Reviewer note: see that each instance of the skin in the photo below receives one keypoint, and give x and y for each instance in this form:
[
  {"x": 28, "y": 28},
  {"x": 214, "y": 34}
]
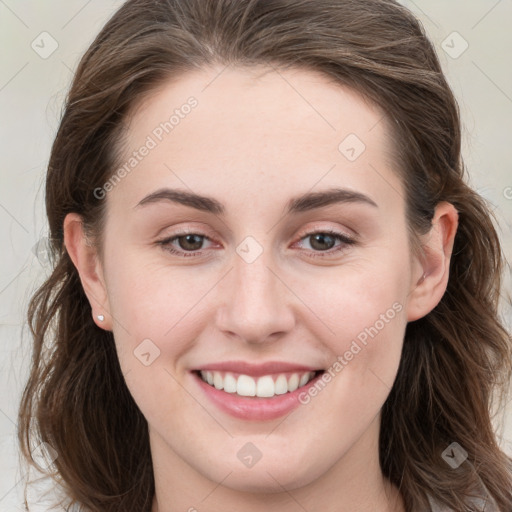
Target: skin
[{"x": 257, "y": 138}]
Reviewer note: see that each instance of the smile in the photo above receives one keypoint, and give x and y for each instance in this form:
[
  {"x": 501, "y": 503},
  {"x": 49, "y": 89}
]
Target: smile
[
  {"x": 265, "y": 386},
  {"x": 255, "y": 392}
]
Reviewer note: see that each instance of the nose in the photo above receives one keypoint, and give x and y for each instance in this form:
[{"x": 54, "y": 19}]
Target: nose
[{"x": 255, "y": 304}]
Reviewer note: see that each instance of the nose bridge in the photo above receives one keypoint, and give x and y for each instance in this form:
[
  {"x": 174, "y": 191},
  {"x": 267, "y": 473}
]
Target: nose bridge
[{"x": 255, "y": 301}]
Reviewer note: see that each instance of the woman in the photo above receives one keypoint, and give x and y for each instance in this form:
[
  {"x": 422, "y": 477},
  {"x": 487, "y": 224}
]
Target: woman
[{"x": 216, "y": 160}]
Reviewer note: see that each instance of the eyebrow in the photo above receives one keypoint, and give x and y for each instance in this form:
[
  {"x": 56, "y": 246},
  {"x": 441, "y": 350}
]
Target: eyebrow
[{"x": 302, "y": 203}]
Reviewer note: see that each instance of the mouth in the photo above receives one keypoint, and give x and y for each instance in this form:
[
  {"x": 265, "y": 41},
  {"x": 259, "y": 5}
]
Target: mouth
[
  {"x": 263, "y": 386},
  {"x": 255, "y": 391}
]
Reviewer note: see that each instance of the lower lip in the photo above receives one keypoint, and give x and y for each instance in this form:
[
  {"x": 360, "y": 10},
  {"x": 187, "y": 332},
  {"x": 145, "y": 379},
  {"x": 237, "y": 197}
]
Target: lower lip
[{"x": 254, "y": 408}]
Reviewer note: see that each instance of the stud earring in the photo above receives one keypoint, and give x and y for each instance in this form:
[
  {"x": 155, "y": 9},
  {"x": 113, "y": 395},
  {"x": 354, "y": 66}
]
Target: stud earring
[{"x": 101, "y": 318}]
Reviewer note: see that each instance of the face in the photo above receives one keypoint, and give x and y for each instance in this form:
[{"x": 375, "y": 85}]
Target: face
[{"x": 267, "y": 287}]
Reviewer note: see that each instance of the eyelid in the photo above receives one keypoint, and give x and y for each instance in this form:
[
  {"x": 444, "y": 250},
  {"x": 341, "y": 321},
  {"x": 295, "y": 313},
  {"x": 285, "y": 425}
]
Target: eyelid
[
  {"x": 322, "y": 228},
  {"x": 315, "y": 228},
  {"x": 343, "y": 237}
]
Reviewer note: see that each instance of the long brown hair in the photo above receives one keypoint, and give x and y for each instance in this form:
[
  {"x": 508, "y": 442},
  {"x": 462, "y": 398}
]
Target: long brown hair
[{"x": 454, "y": 359}]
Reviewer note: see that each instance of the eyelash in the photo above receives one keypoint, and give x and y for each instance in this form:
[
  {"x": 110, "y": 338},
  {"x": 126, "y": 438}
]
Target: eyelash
[{"x": 346, "y": 241}]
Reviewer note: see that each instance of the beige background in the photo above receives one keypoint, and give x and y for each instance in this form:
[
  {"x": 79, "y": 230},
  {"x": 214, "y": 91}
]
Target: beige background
[{"x": 32, "y": 89}]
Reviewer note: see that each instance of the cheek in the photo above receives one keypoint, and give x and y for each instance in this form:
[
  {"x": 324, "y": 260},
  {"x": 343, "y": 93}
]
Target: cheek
[
  {"x": 361, "y": 300},
  {"x": 345, "y": 402},
  {"x": 149, "y": 300},
  {"x": 364, "y": 309},
  {"x": 153, "y": 309}
]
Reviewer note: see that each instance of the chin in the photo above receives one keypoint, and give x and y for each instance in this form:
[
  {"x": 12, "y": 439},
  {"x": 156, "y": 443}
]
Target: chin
[
  {"x": 267, "y": 477},
  {"x": 263, "y": 482}
]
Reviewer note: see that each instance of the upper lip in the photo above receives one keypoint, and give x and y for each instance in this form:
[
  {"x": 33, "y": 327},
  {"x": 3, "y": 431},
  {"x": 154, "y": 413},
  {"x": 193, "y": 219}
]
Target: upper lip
[{"x": 257, "y": 370}]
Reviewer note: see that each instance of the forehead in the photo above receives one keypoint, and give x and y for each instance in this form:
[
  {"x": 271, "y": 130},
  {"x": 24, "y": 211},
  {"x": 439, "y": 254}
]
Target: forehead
[
  {"x": 255, "y": 128},
  {"x": 279, "y": 97}
]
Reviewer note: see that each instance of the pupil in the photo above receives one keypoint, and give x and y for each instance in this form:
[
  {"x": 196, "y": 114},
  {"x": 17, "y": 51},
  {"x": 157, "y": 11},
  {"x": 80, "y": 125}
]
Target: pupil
[
  {"x": 321, "y": 237},
  {"x": 188, "y": 238}
]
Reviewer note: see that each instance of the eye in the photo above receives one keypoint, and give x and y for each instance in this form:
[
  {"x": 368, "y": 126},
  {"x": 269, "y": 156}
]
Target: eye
[
  {"x": 321, "y": 242},
  {"x": 188, "y": 242},
  {"x": 327, "y": 237}
]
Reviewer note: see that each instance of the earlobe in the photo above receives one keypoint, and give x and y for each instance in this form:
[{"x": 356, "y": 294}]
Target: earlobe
[
  {"x": 429, "y": 287},
  {"x": 85, "y": 258}
]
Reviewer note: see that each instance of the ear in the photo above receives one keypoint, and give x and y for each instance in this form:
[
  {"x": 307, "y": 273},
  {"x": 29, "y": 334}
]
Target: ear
[
  {"x": 88, "y": 264},
  {"x": 433, "y": 267}
]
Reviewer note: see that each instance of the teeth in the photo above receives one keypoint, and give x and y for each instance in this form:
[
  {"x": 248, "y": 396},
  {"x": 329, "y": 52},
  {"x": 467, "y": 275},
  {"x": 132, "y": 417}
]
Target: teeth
[
  {"x": 281, "y": 385},
  {"x": 230, "y": 384},
  {"x": 218, "y": 381},
  {"x": 303, "y": 380},
  {"x": 264, "y": 387},
  {"x": 293, "y": 382},
  {"x": 245, "y": 386}
]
